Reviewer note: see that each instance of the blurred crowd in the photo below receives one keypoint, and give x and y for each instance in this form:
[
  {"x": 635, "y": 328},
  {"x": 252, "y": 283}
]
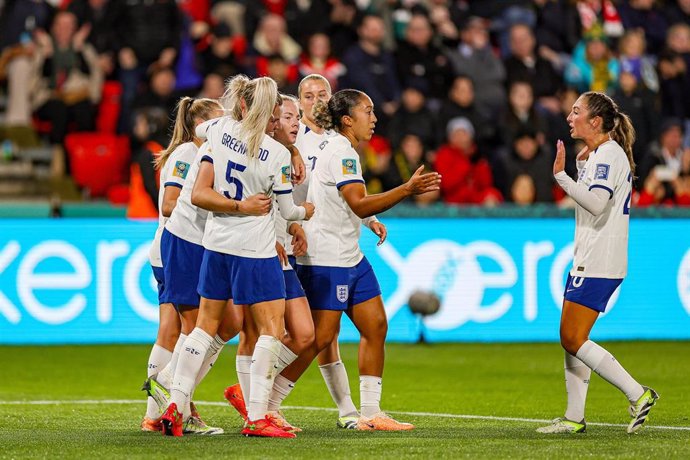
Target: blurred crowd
[{"x": 476, "y": 89}]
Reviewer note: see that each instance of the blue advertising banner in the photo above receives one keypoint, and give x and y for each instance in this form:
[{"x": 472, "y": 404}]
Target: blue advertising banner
[{"x": 499, "y": 280}]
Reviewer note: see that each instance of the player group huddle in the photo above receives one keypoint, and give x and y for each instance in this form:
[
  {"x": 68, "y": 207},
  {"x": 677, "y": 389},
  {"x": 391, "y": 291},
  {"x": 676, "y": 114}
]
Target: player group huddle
[{"x": 261, "y": 204}]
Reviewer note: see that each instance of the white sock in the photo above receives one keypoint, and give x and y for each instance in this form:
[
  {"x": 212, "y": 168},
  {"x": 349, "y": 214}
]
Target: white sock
[
  {"x": 211, "y": 356},
  {"x": 281, "y": 389},
  {"x": 370, "y": 395},
  {"x": 263, "y": 373},
  {"x": 158, "y": 359},
  {"x": 243, "y": 365},
  {"x": 165, "y": 376},
  {"x": 335, "y": 376},
  {"x": 191, "y": 358},
  {"x": 285, "y": 358},
  {"x": 576, "y": 384},
  {"x": 603, "y": 363}
]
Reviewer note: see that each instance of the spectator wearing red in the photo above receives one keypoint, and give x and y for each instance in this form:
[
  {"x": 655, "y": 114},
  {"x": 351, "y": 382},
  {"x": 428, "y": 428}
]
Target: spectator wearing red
[
  {"x": 467, "y": 177},
  {"x": 318, "y": 60}
]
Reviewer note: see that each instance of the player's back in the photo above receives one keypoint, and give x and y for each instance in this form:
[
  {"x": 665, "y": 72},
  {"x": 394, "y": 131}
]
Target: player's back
[{"x": 237, "y": 177}]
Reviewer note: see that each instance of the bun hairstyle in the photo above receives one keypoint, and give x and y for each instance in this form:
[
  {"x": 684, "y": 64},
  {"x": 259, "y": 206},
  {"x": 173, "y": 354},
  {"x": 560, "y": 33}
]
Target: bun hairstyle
[
  {"x": 330, "y": 115},
  {"x": 188, "y": 111},
  {"x": 614, "y": 122}
]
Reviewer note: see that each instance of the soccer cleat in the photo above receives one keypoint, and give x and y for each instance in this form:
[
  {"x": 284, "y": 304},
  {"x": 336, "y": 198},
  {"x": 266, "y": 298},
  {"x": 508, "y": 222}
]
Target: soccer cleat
[
  {"x": 150, "y": 424},
  {"x": 233, "y": 394},
  {"x": 641, "y": 408},
  {"x": 382, "y": 422},
  {"x": 194, "y": 425},
  {"x": 158, "y": 392},
  {"x": 563, "y": 425},
  {"x": 278, "y": 419},
  {"x": 347, "y": 423},
  {"x": 172, "y": 421},
  {"x": 265, "y": 428}
]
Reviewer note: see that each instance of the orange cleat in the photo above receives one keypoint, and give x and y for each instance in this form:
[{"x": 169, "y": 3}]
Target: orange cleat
[
  {"x": 382, "y": 422},
  {"x": 278, "y": 419},
  {"x": 151, "y": 424},
  {"x": 233, "y": 394},
  {"x": 265, "y": 428},
  {"x": 171, "y": 420}
]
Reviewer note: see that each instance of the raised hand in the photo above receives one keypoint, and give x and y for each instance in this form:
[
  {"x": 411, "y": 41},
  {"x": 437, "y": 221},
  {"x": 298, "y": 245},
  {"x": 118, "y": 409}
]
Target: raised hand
[
  {"x": 559, "y": 162},
  {"x": 421, "y": 183}
]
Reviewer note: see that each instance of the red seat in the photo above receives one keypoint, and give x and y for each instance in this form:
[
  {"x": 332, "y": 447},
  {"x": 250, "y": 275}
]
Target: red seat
[
  {"x": 98, "y": 160},
  {"x": 109, "y": 108}
]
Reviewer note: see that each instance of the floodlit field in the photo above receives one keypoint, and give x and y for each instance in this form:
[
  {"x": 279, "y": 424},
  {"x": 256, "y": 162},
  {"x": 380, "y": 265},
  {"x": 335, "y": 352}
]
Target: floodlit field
[{"x": 467, "y": 400}]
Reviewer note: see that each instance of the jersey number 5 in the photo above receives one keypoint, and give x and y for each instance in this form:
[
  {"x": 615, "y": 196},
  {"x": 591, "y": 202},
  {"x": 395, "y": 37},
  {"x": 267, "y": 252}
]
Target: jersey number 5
[{"x": 234, "y": 180}]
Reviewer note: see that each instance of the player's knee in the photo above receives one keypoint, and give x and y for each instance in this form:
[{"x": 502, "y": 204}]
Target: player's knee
[
  {"x": 571, "y": 341},
  {"x": 304, "y": 341}
]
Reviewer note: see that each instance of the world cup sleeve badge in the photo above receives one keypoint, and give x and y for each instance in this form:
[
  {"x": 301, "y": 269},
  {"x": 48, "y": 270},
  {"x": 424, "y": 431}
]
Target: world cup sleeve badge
[
  {"x": 181, "y": 169},
  {"x": 602, "y": 171},
  {"x": 349, "y": 166},
  {"x": 285, "y": 174}
]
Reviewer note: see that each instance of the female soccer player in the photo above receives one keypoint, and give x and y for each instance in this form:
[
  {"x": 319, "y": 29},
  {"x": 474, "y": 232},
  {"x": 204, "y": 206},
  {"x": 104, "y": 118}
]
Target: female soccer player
[
  {"x": 602, "y": 193},
  {"x": 239, "y": 259},
  {"x": 173, "y": 163},
  {"x": 335, "y": 274}
]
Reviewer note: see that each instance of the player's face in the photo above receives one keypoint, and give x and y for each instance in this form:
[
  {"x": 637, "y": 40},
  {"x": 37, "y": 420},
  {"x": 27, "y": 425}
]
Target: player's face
[
  {"x": 363, "y": 119},
  {"x": 289, "y": 124},
  {"x": 274, "y": 121},
  {"x": 579, "y": 120},
  {"x": 312, "y": 90}
]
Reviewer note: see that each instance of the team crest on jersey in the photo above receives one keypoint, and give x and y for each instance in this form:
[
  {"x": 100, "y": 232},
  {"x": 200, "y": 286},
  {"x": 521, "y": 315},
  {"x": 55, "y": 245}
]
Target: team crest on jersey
[
  {"x": 285, "y": 174},
  {"x": 349, "y": 166},
  {"x": 181, "y": 169},
  {"x": 602, "y": 171},
  {"x": 342, "y": 292}
]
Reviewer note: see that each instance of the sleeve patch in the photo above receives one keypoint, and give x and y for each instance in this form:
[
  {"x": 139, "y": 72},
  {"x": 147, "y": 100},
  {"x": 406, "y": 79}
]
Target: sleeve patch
[
  {"x": 349, "y": 166},
  {"x": 285, "y": 174},
  {"x": 602, "y": 171},
  {"x": 181, "y": 169}
]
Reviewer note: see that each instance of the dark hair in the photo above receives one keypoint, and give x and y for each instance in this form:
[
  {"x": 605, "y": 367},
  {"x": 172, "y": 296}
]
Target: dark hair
[
  {"x": 329, "y": 116},
  {"x": 614, "y": 122}
]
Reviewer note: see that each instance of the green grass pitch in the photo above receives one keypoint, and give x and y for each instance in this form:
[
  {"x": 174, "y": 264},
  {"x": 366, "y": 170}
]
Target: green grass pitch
[{"x": 467, "y": 400}]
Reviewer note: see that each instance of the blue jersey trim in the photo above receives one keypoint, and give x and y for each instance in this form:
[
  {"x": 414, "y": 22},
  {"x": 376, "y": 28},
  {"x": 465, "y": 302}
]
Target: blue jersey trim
[
  {"x": 604, "y": 187},
  {"x": 282, "y": 192},
  {"x": 341, "y": 184},
  {"x": 207, "y": 158},
  {"x": 172, "y": 184}
]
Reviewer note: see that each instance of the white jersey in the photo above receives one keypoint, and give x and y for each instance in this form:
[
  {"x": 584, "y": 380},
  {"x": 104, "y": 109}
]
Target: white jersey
[
  {"x": 333, "y": 232},
  {"x": 173, "y": 174},
  {"x": 188, "y": 221},
  {"x": 601, "y": 242},
  {"x": 239, "y": 177}
]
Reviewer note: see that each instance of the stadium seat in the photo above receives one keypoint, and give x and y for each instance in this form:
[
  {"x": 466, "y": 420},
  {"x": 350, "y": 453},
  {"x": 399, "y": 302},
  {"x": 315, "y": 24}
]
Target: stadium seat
[
  {"x": 109, "y": 108},
  {"x": 98, "y": 160}
]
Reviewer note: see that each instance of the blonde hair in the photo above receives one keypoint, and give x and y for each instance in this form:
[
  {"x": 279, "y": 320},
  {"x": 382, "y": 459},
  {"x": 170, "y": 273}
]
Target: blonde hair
[
  {"x": 259, "y": 98},
  {"x": 313, "y": 76},
  {"x": 188, "y": 111},
  {"x": 614, "y": 122}
]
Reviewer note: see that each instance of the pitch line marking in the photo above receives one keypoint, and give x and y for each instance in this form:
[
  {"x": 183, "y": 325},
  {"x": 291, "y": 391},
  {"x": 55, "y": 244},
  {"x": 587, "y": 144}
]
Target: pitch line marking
[{"x": 327, "y": 409}]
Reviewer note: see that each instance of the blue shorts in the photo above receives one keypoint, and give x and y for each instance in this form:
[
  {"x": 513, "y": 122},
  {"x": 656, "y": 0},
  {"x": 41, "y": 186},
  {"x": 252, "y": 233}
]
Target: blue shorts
[
  {"x": 245, "y": 280},
  {"x": 160, "y": 282},
  {"x": 293, "y": 288},
  {"x": 592, "y": 293},
  {"x": 338, "y": 288},
  {"x": 181, "y": 264}
]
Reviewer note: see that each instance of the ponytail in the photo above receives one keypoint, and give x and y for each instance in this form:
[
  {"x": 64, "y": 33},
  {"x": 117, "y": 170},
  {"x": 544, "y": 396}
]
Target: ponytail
[
  {"x": 624, "y": 133},
  {"x": 260, "y": 97},
  {"x": 323, "y": 118},
  {"x": 188, "y": 111}
]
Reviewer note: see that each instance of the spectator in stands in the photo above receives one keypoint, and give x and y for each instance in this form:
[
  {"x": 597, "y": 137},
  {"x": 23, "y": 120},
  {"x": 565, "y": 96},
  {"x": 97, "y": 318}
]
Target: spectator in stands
[
  {"x": 633, "y": 57},
  {"x": 593, "y": 67},
  {"x": 407, "y": 158},
  {"x": 475, "y": 58},
  {"x": 639, "y": 103},
  {"x": 527, "y": 157},
  {"x": 271, "y": 39},
  {"x": 67, "y": 80},
  {"x": 558, "y": 27},
  {"x": 220, "y": 54},
  {"x": 521, "y": 114},
  {"x": 147, "y": 37},
  {"x": 522, "y": 191},
  {"x": 677, "y": 11},
  {"x": 645, "y": 16},
  {"x": 160, "y": 92},
  {"x": 664, "y": 158},
  {"x": 98, "y": 14},
  {"x": 375, "y": 155},
  {"x": 213, "y": 87},
  {"x": 467, "y": 177},
  {"x": 460, "y": 103},
  {"x": 413, "y": 117},
  {"x": 440, "y": 17},
  {"x": 600, "y": 14},
  {"x": 342, "y": 25},
  {"x": 523, "y": 64},
  {"x": 674, "y": 72},
  {"x": 285, "y": 75},
  {"x": 420, "y": 62},
  {"x": 149, "y": 135},
  {"x": 372, "y": 69},
  {"x": 318, "y": 60}
]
